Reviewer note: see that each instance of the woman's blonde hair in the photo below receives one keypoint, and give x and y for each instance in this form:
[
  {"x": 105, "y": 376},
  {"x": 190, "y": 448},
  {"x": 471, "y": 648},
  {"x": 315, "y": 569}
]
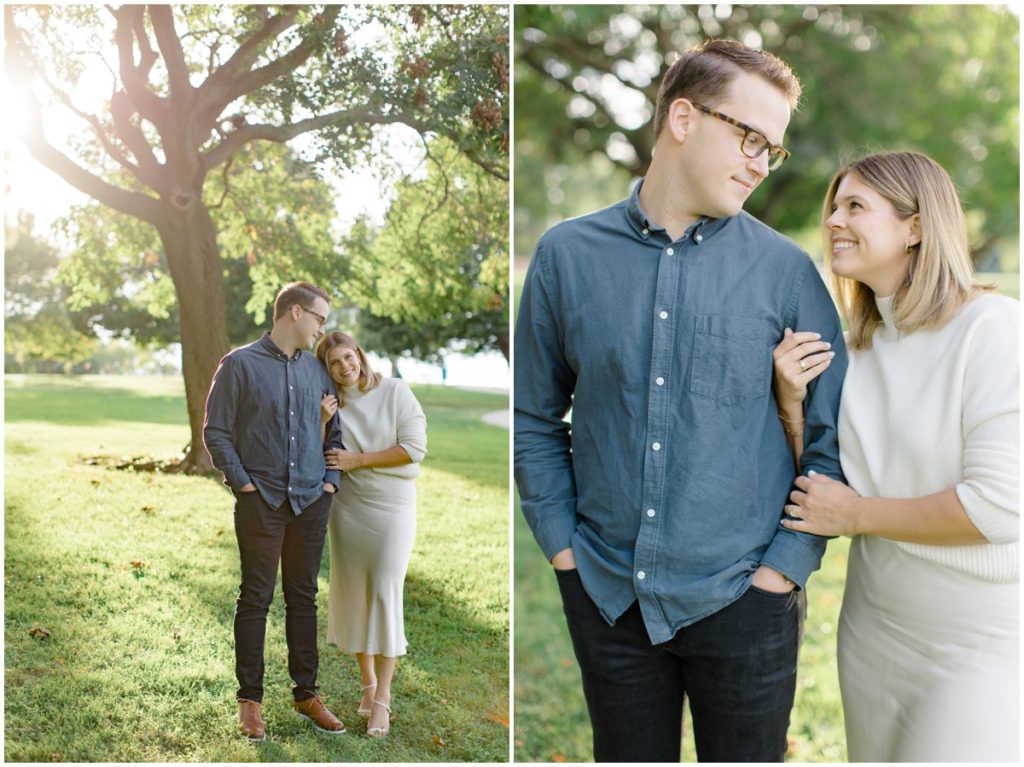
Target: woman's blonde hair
[
  {"x": 940, "y": 277},
  {"x": 367, "y": 378}
]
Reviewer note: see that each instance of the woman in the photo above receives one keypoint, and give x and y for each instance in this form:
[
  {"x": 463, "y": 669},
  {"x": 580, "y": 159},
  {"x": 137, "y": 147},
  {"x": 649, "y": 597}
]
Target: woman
[
  {"x": 373, "y": 517},
  {"x": 928, "y": 436}
]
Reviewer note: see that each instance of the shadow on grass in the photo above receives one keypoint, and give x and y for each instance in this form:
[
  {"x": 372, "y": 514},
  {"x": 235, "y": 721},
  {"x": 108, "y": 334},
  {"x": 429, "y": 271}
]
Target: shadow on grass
[{"x": 117, "y": 638}]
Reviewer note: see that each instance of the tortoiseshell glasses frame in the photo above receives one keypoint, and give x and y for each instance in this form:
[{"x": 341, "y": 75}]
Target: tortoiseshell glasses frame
[{"x": 753, "y": 142}]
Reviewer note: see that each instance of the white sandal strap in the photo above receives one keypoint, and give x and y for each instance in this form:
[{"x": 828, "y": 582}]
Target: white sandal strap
[
  {"x": 368, "y": 686},
  {"x": 382, "y": 703}
]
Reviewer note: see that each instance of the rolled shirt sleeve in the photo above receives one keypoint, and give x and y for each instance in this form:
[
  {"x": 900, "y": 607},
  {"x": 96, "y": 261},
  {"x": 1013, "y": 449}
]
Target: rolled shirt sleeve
[
  {"x": 797, "y": 555},
  {"x": 219, "y": 425},
  {"x": 544, "y": 385}
]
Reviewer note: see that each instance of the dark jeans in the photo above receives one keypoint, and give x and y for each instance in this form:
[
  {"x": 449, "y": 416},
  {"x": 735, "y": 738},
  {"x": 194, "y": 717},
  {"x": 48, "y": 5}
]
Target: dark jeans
[
  {"x": 738, "y": 668},
  {"x": 265, "y": 536}
]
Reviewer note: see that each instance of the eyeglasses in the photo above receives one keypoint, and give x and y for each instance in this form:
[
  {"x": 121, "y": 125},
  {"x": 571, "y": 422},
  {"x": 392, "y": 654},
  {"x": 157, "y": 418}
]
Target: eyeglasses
[
  {"x": 321, "y": 320},
  {"x": 754, "y": 142}
]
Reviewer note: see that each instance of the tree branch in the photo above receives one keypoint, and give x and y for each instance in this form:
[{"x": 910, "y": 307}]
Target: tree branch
[
  {"x": 235, "y": 79},
  {"x": 282, "y": 133},
  {"x": 132, "y": 136},
  {"x": 134, "y": 78},
  {"x": 216, "y": 91},
  {"x": 132, "y": 203},
  {"x": 170, "y": 47}
]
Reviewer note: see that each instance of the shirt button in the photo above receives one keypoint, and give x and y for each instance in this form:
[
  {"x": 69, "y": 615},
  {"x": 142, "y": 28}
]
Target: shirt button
[
  {"x": 289, "y": 489},
  {"x": 293, "y": 439},
  {"x": 698, "y": 238},
  {"x": 660, "y": 381},
  {"x": 663, "y": 315},
  {"x": 292, "y": 463},
  {"x": 656, "y": 446},
  {"x": 292, "y": 412},
  {"x": 291, "y": 387},
  {"x": 650, "y": 513},
  {"x": 670, "y": 252},
  {"x": 641, "y": 575}
]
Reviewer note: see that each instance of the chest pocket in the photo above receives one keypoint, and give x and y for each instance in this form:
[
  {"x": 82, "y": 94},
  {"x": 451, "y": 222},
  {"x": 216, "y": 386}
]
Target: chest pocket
[
  {"x": 732, "y": 358},
  {"x": 308, "y": 401}
]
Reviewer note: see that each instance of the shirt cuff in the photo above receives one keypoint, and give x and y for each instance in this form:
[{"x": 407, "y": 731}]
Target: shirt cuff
[
  {"x": 795, "y": 555},
  {"x": 236, "y": 477},
  {"x": 555, "y": 534},
  {"x": 333, "y": 476}
]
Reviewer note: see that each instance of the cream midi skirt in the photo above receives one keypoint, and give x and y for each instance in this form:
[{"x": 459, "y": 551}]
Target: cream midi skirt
[
  {"x": 928, "y": 660},
  {"x": 371, "y": 533}
]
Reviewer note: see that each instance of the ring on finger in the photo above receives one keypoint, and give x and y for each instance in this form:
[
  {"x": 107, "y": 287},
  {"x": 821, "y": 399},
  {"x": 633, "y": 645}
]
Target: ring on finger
[{"x": 803, "y": 366}]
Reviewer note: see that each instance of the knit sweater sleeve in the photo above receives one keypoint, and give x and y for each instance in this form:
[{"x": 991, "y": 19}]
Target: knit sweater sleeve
[
  {"x": 411, "y": 423},
  {"x": 989, "y": 491}
]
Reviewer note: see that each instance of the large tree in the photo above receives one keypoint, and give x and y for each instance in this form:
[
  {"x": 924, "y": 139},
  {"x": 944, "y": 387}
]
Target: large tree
[
  {"x": 943, "y": 79},
  {"x": 191, "y": 86}
]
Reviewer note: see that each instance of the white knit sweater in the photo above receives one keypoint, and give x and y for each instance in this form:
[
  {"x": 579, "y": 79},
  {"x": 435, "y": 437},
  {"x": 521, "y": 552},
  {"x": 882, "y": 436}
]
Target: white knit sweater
[
  {"x": 926, "y": 411},
  {"x": 379, "y": 419}
]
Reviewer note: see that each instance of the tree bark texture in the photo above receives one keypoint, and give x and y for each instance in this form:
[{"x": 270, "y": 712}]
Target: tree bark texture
[{"x": 193, "y": 259}]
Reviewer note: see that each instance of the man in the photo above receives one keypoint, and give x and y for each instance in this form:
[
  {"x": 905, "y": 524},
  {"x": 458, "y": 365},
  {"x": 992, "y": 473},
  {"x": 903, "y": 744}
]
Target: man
[
  {"x": 660, "y": 509},
  {"x": 263, "y": 431}
]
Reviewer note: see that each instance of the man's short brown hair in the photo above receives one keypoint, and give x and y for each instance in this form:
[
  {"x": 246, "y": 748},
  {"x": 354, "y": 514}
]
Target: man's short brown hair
[
  {"x": 301, "y": 293},
  {"x": 703, "y": 75}
]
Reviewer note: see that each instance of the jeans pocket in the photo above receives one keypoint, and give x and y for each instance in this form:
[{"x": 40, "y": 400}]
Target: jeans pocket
[
  {"x": 774, "y": 601},
  {"x": 732, "y": 358}
]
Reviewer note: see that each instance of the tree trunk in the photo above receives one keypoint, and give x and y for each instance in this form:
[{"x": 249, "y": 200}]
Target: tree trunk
[
  {"x": 503, "y": 344},
  {"x": 193, "y": 259}
]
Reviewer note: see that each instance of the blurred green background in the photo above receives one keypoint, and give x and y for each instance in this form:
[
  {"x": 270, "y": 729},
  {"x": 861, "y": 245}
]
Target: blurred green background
[{"x": 939, "y": 79}]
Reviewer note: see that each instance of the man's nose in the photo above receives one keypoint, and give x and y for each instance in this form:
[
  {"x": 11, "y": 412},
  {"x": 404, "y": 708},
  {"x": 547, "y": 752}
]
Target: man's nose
[{"x": 759, "y": 165}]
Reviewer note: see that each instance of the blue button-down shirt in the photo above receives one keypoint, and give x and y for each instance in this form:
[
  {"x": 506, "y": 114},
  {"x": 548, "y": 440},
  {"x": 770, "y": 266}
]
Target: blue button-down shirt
[
  {"x": 263, "y": 423},
  {"x": 670, "y": 483}
]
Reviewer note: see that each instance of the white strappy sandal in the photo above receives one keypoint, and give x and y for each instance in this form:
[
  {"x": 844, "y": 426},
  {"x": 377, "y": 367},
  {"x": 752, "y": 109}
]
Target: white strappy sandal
[
  {"x": 380, "y": 732},
  {"x": 365, "y": 711}
]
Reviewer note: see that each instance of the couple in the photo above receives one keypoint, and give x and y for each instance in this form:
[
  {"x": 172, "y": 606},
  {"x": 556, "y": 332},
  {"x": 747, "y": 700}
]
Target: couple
[
  {"x": 668, "y": 509},
  {"x": 283, "y": 425}
]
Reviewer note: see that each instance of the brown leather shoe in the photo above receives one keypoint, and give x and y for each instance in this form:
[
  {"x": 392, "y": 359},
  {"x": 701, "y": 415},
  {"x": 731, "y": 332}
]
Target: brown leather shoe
[
  {"x": 250, "y": 723},
  {"x": 315, "y": 711}
]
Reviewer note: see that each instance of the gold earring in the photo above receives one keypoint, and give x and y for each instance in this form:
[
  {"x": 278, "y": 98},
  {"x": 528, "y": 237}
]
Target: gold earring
[{"x": 909, "y": 247}]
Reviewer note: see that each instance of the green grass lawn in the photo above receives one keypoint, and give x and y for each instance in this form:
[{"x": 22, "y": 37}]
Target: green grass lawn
[
  {"x": 135, "y": 576},
  {"x": 551, "y": 721}
]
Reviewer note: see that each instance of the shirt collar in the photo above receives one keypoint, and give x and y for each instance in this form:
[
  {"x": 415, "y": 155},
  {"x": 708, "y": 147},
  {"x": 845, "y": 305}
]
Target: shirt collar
[
  {"x": 705, "y": 227},
  {"x": 275, "y": 350}
]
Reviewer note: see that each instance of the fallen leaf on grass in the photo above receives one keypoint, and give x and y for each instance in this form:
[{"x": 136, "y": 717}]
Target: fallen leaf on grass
[
  {"x": 149, "y": 509},
  {"x": 566, "y": 662},
  {"x": 439, "y": 741},
  {"x": 176, "y": 635},
  {"x": 557, "y": 758},
  {"x": 444, "y": 701},
  {"x": 57, "y": 756},
  {"x": 38, "y": 631},
  {"x": 137, "y": 563},
  {"x": 497, "y": 719}
]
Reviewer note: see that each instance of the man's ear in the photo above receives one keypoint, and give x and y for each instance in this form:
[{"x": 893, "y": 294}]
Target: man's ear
[{"x": 680, "y": 115}]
